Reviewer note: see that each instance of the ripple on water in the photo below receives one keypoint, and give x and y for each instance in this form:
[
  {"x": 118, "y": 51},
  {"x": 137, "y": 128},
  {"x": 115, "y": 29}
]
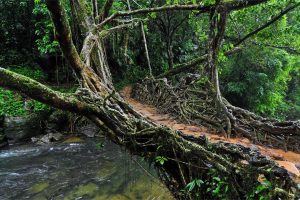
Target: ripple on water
[{"x": 75, "y": 171}]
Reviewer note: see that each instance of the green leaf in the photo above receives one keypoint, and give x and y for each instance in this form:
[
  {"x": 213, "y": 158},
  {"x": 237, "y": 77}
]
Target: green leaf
[
  {"x": 199, "y": 182},
  {"x": 216, "y": 178},
  {"x": 191, "y": 186},
  {"x": 160, "y": 159}
]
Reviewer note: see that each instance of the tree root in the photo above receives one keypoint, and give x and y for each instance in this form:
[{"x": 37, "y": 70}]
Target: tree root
[{"x": 198, "y": 106}]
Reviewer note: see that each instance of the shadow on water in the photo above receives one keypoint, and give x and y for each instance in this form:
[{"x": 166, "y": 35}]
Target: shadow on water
[{"x": 77, "y": 171}]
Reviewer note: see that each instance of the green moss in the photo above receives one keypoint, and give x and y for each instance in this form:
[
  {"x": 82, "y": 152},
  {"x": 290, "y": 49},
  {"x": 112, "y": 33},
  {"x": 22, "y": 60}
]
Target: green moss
[
  {"x": 88, "y": 189},
  {"x": 39, "y": 187},
  {"x": 107, "y": 170}
]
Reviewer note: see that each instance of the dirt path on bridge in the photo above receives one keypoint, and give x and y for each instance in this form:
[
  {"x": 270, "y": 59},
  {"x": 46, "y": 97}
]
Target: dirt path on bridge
[{"x": 287, "y": 159}]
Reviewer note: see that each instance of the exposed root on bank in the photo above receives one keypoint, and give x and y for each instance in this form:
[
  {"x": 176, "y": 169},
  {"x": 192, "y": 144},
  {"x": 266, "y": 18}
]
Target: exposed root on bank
[
  {"x": 185, "y": 166},
  {"x": 195, "y": 104}
]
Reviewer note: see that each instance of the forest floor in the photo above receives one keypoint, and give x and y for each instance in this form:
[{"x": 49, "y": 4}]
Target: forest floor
[{"x": 287, "y": 159}]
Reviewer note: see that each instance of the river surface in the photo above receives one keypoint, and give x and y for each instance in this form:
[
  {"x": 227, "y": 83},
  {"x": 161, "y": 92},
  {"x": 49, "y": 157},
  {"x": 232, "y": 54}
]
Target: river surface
[{"x": 81, "y": 171}]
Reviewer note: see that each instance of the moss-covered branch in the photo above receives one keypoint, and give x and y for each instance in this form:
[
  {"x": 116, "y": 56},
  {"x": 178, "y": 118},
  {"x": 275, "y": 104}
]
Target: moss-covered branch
[{"x": 40, "y": 92}]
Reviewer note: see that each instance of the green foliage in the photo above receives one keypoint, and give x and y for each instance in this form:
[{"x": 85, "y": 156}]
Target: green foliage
[
  {"x": 131, "y": 75},
  {"x": 13, "y": 104},
  {"x": 258, "y": 79},
  {"x": 215, "y": 186},
  {"x": 212, "y": 187},
  {"x": 193, "y": 185},
  {"x": 161, "y": 160},
  {"x": 44, "y": 29},
  {"x": 15, "y": 32},
  {"x": 33, "y": 72},
  {"x": 218, "y": 187},
  {"x": 261, "y": 191}
]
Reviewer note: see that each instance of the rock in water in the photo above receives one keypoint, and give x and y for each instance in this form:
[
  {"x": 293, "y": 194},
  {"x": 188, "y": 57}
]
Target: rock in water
[
  {"x": 3, "y": 139},
  {"x": 57, "y": 122},
  {"x": 48, "y": 138},
  {"x": 18, "y": 128},
  {"x": 90, "y": 130}
]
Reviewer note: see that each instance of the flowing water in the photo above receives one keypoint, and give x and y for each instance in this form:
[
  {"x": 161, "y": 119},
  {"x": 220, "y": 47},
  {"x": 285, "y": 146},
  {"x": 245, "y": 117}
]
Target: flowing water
[{"x": 87, "y": 170}]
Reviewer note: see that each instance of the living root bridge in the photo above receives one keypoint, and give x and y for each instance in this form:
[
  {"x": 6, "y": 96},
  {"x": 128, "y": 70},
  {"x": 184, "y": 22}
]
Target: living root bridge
[
  {"x": 194, "y": 103},
  {"x": 185, "y": 158}
]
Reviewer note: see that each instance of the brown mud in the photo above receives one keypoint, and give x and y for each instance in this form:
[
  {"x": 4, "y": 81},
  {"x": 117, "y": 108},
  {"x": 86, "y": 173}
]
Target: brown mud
[{"x": 287, "y": 159}]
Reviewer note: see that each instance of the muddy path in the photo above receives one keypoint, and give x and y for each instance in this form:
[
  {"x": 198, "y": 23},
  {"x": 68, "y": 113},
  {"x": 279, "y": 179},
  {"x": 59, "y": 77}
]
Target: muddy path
[{"x": 287, "y": 159}]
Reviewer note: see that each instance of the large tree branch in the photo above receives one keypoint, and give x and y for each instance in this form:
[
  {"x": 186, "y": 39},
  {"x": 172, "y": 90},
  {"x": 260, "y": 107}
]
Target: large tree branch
[
  {"x": 90, "y": 41},
  {"x": 195, "y": 62},
  {"x": 192, "y": 64},
  {"x": 290, "y": 50},
  {"x": 64, "y": 36},
  {"x": 40, "y": 92},
  {"x": 81, "y": 15},
  {"x": 85, "y": 73},
  {"x": 270, "y": 22},
  {"x": 230, "y": 6}
]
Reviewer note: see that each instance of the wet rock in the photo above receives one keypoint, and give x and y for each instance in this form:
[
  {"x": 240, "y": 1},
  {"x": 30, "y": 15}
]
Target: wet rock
[
  {"x": 90, "y": 130},
  {"x": 48, "y": 138},
  {"x": 57, "y": 121},
  {"x": 57, "y": 136},
  {"x": 18, "y": 128},
  {"x": 3, "y": 139}
]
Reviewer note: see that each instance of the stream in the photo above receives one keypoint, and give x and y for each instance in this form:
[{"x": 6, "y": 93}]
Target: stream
[{"x": 88, "y": 170}]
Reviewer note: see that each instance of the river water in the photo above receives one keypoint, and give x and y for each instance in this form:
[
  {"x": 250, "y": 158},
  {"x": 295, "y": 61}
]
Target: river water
[{"x": 81, "y": 171}]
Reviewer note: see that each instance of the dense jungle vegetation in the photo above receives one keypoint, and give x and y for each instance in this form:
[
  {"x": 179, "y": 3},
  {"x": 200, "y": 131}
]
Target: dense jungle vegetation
[
  {"x": 262, "y": 77},
  {"x": 238, "y": 55}
]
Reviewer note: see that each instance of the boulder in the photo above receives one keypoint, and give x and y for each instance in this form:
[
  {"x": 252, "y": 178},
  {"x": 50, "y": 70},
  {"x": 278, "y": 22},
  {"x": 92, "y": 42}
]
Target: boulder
[
  {"x": 58, "y": 121},
  {"x": 89, "y": 129},
  {"x": 3, "y": 140},
  {"x": 23, "y": 128},
  {"x": 48, "y": 138}
]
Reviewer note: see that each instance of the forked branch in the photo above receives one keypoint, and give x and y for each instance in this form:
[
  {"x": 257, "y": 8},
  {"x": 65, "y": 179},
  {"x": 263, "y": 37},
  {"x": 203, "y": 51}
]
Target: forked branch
[{"x": 231, "y": 6}]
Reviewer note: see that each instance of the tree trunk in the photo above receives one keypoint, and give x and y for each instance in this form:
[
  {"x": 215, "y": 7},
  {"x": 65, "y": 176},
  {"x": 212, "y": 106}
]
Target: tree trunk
[{"x": 170, "y": 54}]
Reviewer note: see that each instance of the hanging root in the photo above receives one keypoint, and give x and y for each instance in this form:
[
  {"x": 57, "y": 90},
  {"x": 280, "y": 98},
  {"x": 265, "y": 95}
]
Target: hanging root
[
  {"x": 195, "y": 103},
  {"x": 187, "y": 158}
]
